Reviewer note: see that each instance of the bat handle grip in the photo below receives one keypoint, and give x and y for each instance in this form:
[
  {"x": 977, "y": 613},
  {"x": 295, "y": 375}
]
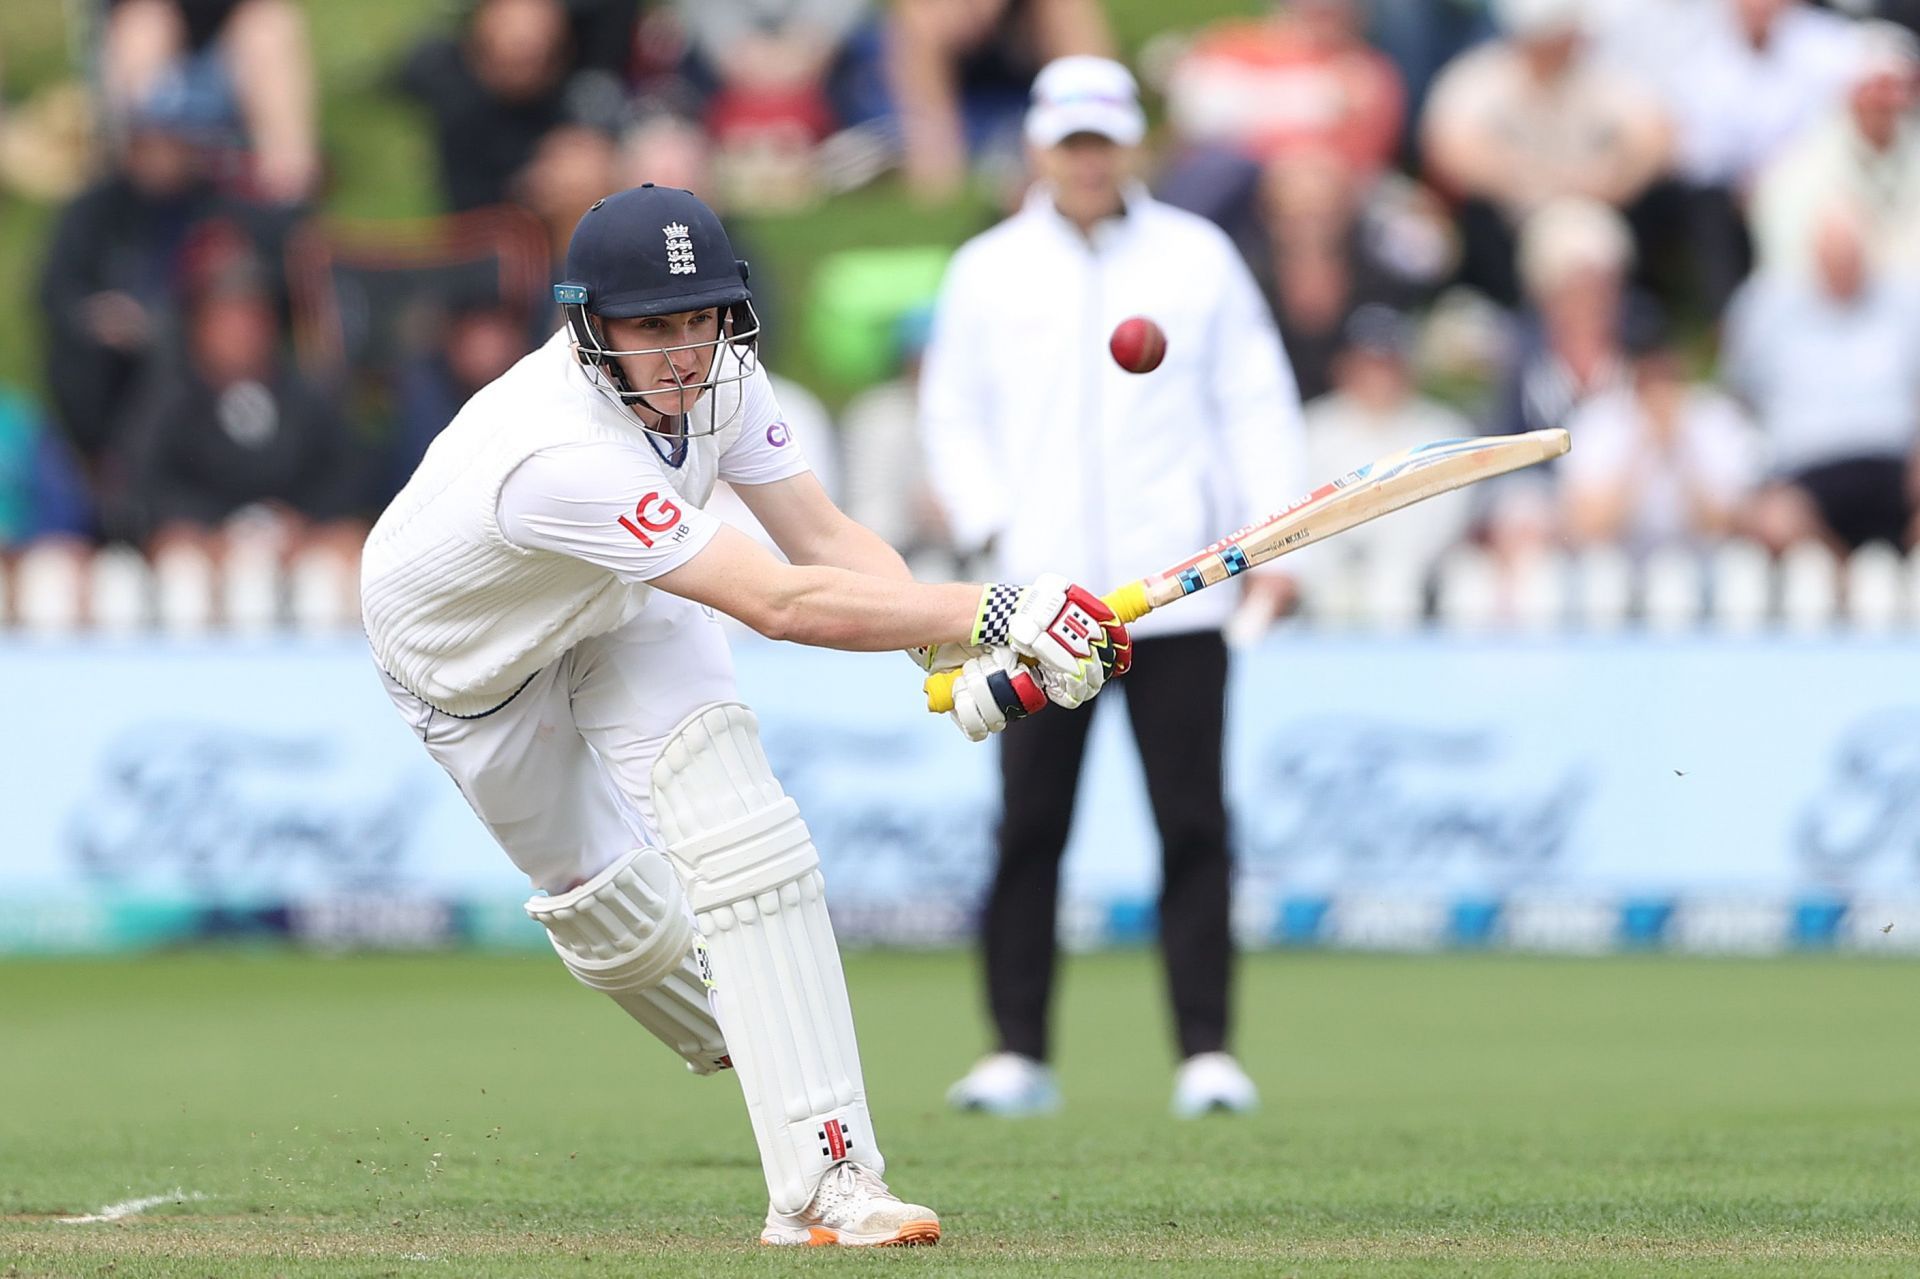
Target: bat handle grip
[
  {"x": 939, "y": 690},
  {"x": 1129, "y": 603}
]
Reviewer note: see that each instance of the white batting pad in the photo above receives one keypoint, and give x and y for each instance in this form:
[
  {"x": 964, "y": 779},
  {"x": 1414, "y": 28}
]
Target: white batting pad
[
  {"x": 753, "y": 878},
  {"x": 628, "y": 932}
]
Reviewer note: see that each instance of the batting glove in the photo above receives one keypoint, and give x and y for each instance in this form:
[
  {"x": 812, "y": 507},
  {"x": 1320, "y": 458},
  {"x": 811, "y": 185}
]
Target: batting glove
[
  {"x": 942, "y": 657},
  {"x": 993, "y": 690},
  {"x": 1067, "y": 630}
]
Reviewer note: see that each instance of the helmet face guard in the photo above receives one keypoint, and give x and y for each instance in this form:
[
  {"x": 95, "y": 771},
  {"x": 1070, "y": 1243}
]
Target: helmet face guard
[
  {"x": 732, "y": 357},
  {"x": 660, "y": 251}
]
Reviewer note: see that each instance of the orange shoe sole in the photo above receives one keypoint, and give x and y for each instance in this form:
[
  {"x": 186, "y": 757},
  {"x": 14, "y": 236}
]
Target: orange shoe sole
[{"x": 915, "y": 1234}]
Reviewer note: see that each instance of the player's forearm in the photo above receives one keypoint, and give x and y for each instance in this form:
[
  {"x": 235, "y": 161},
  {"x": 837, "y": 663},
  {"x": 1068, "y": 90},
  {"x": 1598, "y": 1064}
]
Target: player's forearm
[
  {"x": 858, "y": 549},
  {"x": 836, "y": 608},
  {"x": 820, "y": 604}
]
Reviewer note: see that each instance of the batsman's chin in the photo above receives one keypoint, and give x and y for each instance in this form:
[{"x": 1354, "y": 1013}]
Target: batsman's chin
[{"x": 671, "y": 401}]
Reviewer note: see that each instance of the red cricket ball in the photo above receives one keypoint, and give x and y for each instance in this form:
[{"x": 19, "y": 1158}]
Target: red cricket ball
[{"x": 1138, "y": 344}]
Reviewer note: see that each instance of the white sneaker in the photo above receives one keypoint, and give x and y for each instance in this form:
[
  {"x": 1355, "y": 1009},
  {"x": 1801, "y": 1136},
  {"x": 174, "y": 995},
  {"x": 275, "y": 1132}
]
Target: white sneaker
[
  {"x": 1213, "y": 1081},
  {"x": 1009, "y": 1085},
  {"x": 853, "y": 1208}
]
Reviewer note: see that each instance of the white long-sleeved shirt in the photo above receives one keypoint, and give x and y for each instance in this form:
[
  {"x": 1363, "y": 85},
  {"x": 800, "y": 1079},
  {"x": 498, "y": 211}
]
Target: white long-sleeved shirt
[{"x": 1041, "y": 445}]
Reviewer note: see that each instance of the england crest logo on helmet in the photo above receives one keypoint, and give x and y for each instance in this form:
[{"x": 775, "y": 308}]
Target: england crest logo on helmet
[{"x": 679, "y": 250}]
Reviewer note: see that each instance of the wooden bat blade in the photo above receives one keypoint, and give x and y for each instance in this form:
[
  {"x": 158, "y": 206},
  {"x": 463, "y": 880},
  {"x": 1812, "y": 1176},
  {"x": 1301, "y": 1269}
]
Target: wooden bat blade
[{"x": 1379, "y": 488}]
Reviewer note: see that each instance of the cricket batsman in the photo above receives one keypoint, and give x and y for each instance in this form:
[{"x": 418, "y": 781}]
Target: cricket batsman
[{"x": 541, "y": 600}]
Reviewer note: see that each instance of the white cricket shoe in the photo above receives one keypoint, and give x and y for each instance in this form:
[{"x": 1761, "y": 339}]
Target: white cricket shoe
[
  {"x": 1008, "y": 1085},
  {"x": 853, "y": 1208},
  {"x": 1208, "y": 1082}
]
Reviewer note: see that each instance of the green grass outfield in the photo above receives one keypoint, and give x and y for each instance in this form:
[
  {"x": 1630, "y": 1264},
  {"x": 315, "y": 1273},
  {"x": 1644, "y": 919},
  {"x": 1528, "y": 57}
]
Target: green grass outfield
[{"x": 1473, "y": 1115}]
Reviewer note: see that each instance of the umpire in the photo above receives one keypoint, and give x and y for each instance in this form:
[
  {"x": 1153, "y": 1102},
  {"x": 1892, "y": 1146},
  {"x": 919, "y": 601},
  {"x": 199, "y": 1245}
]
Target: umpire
[{"x": 1046, "y": 454}]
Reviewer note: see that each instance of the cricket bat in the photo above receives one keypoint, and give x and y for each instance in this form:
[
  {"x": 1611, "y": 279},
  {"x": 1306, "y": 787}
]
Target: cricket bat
[{"x": 1378, "y": 488}]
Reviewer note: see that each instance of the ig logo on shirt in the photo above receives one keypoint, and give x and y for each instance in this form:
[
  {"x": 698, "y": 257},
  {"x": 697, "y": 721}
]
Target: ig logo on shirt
[{"x": 651, "y": 514}]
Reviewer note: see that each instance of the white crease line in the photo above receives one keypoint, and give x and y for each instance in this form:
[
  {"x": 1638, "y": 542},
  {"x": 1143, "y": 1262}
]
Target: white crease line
[{"x": 128, "y": 1207}]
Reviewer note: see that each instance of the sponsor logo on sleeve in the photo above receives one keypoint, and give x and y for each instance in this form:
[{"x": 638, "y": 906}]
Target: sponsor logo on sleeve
[
  {"x": 778, "y": 435},
  {"x": 653, "y": 515}
]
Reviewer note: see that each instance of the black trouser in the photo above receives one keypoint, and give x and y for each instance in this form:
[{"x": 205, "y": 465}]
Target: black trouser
[{"x": 1176, "y": 701}]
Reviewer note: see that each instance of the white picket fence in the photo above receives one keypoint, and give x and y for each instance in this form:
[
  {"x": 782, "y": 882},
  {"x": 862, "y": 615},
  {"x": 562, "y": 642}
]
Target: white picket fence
[
  {"x": 1735, "y": 588},
  {"x": 119, "y": 591}
]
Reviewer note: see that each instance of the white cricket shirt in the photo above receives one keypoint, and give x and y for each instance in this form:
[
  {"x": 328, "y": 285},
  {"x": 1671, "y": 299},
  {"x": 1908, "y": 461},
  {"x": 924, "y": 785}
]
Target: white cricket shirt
[{"x": 535, "y": 520}]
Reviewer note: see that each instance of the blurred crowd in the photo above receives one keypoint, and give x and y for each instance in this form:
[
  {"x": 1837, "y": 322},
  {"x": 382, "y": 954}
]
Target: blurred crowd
[{"x": 1686, "y": 230}]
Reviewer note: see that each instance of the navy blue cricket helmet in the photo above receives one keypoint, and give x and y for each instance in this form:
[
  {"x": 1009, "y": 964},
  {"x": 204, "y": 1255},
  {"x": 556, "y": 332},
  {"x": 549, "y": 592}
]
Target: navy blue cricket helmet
[{"x": 655, "y": 250}]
